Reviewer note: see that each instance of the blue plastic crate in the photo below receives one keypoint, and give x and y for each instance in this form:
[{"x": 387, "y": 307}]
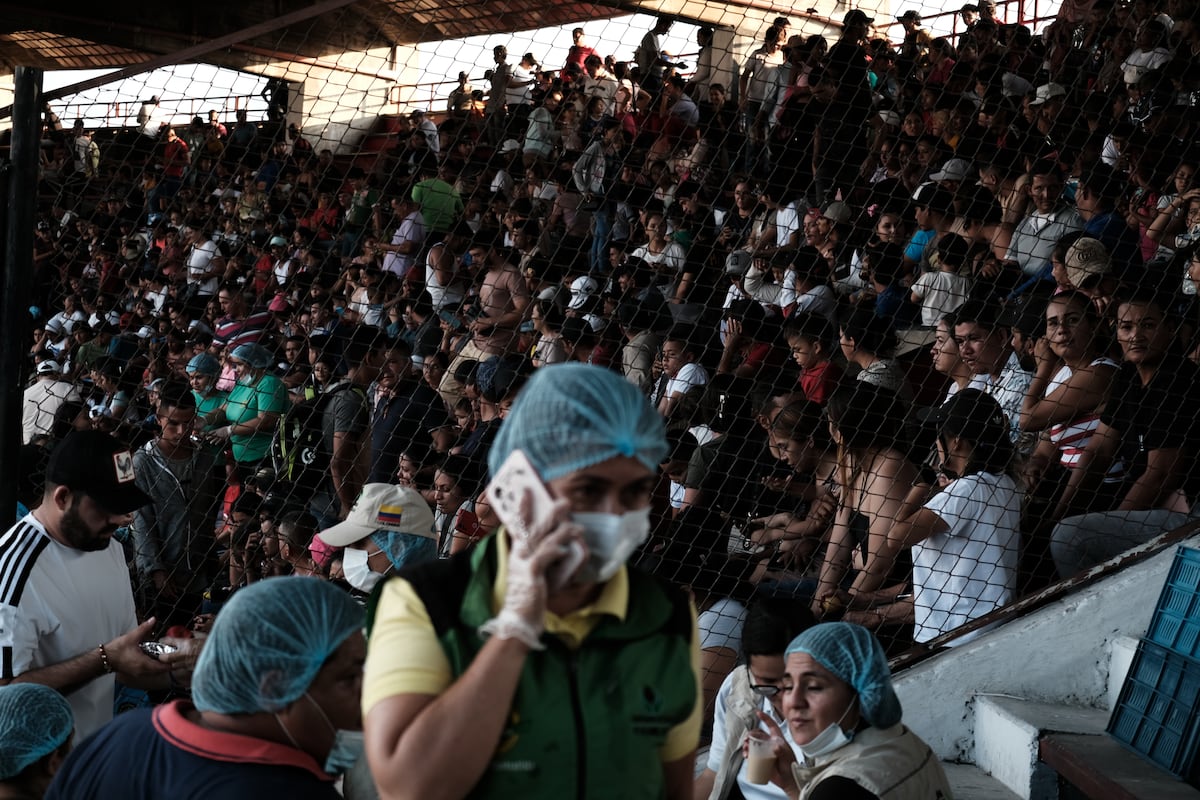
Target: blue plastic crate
[
  {"x": 1176, "y": 621},
  {"x": 1156, "y": 715}
]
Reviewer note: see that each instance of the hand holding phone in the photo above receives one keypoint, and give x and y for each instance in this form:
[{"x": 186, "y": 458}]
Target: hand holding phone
[{"x": 522, "y": 502}]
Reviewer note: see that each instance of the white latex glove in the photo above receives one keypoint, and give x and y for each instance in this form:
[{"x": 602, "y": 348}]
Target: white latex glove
[
  {"x": 221, "y": 434},
  {"x": 530, "y": 557}
]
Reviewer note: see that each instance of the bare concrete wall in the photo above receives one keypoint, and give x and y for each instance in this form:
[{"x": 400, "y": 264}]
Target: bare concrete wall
[{"x": 1057, "y": 654}]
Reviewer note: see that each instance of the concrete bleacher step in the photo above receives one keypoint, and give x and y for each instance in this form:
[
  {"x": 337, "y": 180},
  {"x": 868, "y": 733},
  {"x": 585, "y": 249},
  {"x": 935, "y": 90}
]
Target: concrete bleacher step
[
  {"x": 1007, "y": 735},
  {"x": 1034, "y": 748},
  {"x": 969, "y": 782}
]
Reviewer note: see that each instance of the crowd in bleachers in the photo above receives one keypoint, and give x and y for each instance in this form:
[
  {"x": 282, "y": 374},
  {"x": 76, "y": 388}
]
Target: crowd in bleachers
[{"x": 920, "y": 315}]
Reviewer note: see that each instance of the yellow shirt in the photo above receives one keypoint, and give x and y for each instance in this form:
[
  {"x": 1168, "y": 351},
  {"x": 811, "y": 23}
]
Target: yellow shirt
[{"x": 405, "y": 656}]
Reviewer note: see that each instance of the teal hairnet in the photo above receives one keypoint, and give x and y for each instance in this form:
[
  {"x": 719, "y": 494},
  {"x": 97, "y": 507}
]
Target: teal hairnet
[
  {"x": 406, "y": 548},
  {"x": 571, "y": 416},
  {"x": 257, "y": 356},
  {"x": 269, "y": 643},
  {"x": 35, "y": 720},
  {"x": 854, "y": 655}
]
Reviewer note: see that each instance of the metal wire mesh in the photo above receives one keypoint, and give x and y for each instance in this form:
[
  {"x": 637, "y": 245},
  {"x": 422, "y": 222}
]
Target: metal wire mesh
[{"x": 798, "y": 248}]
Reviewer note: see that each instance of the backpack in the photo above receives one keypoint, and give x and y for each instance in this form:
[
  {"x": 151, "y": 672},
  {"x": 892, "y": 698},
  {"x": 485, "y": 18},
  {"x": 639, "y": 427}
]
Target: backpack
[{"x": 298, "y": 444}]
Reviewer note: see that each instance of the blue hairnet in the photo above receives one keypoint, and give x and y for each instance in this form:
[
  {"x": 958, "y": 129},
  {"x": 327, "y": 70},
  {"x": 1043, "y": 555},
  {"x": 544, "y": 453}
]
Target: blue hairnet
[
  {"x": 854, "y": 655},
  {"x": 406, "y": 548},
  {"x": 255, "y": 355},
  {"x": 205, "y": 364},
  {"x": 34, "y": 721},
  {"x": 572, "y": 416},
  {"x": 269, "y": 643}
]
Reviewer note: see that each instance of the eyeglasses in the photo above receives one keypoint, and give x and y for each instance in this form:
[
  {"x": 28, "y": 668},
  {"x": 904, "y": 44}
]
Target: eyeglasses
[
  {"x": 766, "y": 689},
  {"x": 769, "y": 689}
]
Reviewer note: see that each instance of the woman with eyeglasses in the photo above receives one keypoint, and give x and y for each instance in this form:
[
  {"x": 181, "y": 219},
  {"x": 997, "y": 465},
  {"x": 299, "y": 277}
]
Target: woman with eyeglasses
[
  {"x": 844, "y": 738},
  {"x": 753, "y": 687}
]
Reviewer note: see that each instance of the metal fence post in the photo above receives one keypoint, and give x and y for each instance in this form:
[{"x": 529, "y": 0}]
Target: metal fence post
[{"x": 21, "y": 179}]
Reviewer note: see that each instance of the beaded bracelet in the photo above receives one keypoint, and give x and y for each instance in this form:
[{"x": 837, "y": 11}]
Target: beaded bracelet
[{"x": 104, "y": 660}]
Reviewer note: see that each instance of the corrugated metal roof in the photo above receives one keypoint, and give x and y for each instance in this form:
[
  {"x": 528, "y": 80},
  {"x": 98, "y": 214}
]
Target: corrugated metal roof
[{"x": 71, "y": 34}]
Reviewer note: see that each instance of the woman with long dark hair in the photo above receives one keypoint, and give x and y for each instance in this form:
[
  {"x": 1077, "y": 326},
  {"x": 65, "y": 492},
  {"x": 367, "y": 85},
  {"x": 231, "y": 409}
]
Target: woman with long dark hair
[
  {"x": 965, "y": 540},
  {"x": 877, "y": 488}
]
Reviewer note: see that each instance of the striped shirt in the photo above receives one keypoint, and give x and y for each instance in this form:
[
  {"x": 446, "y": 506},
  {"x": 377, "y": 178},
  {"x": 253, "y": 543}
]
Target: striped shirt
[
  {"x": 251, "y": 329},
  {"x": 1072, "y": 437},
  {"x": 57, "y": 603}
]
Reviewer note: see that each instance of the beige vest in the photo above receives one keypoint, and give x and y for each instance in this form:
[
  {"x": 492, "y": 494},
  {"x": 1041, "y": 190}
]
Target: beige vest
[
  {"x": 739, "y": 718},
  {"x": 892, "y": 763}
]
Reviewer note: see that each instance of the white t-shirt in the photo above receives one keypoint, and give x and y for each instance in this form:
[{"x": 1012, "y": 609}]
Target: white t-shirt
[
  {"x": 940, "y": 293},
  {"x": 42, "y": 400},
  {"x": 788, "y": 220},
  {"x": 971, "y": 568},
  {"x": 716, "y": 750},
  {"x": 819, "y": 300},
  {"x": 516, "y": 95},
  {"x": 57, "y": 603},
  {"x": 689, "y": 375},
  {"x": 412, "y": 229},
  {"x": 199, "y": 259}
]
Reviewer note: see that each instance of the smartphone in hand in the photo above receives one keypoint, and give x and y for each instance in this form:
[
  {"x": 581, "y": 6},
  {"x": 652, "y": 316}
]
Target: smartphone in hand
[{"x": 523, "y": 503}]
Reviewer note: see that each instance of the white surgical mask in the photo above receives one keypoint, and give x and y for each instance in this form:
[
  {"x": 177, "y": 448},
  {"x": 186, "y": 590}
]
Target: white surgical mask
[
  {"x": 611, "y": 540},
  {"x": 357, "y": 569},
  {"x": 829, "y": 740}
]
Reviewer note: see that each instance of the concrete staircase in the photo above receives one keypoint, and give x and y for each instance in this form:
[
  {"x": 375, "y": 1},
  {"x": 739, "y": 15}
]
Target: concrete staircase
[{"x": 1021, "y": 711}]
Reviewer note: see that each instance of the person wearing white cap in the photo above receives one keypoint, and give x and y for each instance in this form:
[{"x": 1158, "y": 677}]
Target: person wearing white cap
[
  {"x": 389, "y": 527},
  {"x": 1047, "y": 104},
  {"x": 43, "y": 398},
  {"x": 953, "y": 173}
]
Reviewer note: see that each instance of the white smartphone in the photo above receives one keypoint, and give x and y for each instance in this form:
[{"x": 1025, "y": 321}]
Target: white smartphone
[{"x": 515, "y": 480}]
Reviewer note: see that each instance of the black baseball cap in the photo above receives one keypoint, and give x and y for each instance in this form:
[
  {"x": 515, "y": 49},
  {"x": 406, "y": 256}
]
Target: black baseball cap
[{"x": 96, "y": 464}]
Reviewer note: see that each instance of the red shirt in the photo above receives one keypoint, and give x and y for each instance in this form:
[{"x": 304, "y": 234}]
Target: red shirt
[
  {"x": 175, "y": 158},
  {"x": 819, "y": 382}
]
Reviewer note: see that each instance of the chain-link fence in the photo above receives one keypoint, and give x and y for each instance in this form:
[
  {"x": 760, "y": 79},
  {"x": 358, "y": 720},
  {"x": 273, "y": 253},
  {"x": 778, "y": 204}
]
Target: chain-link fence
[{"x": 908, "y": 306}]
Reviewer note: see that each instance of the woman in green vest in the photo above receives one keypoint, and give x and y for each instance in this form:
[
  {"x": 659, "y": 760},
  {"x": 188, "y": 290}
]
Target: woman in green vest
[{"x": 499, "y": 673}]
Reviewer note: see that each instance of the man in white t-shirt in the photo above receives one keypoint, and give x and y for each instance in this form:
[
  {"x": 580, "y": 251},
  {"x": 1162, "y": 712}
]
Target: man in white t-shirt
[
  {"x": 985, "y": 346},
  {"x": 42, "y": 400},
  {"x": 599, "y": 82},
  {"x": 66, "y": 607},
  {"x": 204, "y": 261},
  {"x": 681, "y": 369},
  {"x": 399, "y": 255},
  {"x": 427, "y": 128}
]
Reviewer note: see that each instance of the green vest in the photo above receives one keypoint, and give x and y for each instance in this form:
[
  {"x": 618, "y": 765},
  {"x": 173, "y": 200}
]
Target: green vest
[{"x": 585, "y": 723}]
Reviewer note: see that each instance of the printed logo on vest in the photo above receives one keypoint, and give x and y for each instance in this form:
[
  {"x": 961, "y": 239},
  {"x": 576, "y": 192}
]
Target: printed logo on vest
[{"x": 509, "y": 736}]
